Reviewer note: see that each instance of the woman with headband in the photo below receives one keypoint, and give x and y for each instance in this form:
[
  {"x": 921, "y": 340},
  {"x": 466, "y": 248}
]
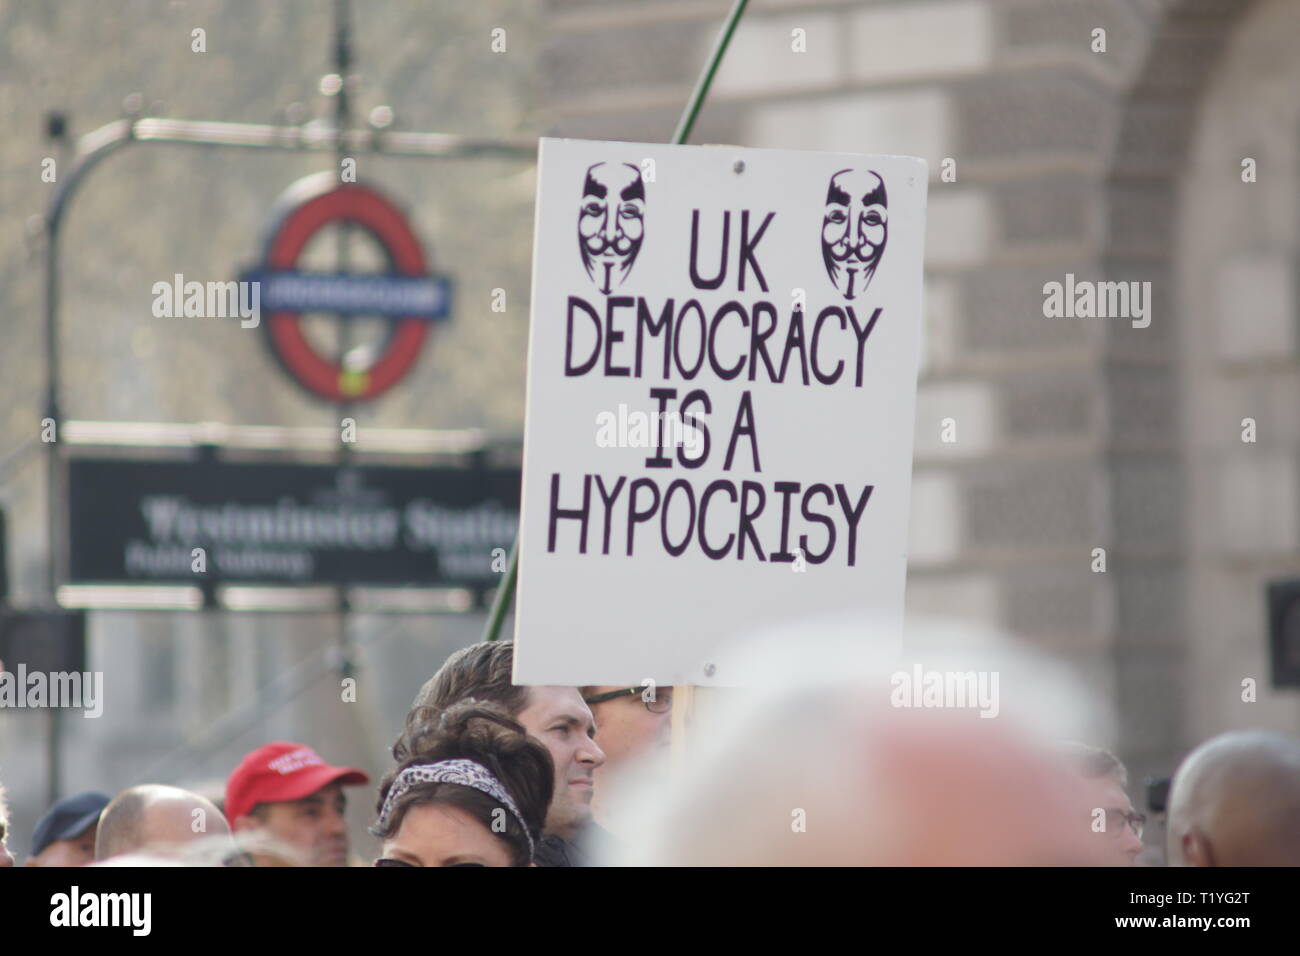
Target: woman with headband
[{"x": 473, "y": 792}]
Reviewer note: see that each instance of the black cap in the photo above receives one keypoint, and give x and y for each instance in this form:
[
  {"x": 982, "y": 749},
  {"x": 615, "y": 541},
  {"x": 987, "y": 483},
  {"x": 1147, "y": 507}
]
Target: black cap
[{"x": 68, "y": 818}]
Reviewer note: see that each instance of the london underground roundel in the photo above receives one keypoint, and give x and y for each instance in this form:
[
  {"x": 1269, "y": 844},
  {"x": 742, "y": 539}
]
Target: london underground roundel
[{"x": 406, "y": 294}]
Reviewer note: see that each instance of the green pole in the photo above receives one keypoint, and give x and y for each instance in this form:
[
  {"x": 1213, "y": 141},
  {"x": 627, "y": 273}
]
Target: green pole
[
  {"x": 506, "y": 593},
  {"x": 701, "y": 93}
]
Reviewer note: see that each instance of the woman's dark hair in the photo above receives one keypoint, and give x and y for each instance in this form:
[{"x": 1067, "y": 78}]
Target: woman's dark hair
[
  {"x": 484, "y": 733},
  {"x": 481, "y": 671}
]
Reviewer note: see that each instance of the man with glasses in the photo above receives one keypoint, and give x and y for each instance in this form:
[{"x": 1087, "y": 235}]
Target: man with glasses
[
  {"x": 1110, "y": 830},
  {"x": 632, "y": 723}
]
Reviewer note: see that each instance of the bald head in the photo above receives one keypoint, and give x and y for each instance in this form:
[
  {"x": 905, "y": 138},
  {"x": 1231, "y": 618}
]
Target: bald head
[
  {"x": 1235, "y": 801},
  {"x": 158, "y": 818}
]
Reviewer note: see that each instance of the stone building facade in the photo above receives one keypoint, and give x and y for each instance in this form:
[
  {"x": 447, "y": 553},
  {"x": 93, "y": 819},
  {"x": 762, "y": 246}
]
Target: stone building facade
[{"x": 1054, "y": 150}]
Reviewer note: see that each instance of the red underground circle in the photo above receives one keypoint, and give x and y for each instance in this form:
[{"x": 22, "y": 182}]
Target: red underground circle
[{"x": 368, "y": 210}]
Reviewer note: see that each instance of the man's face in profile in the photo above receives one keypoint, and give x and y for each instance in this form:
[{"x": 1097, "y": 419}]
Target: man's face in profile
[
  {"x": 1118, "y": 844},
  {"x": 611, "y": 222},
  {"x": 560, "y": 719},
  {"x": 855, "y": 228}
]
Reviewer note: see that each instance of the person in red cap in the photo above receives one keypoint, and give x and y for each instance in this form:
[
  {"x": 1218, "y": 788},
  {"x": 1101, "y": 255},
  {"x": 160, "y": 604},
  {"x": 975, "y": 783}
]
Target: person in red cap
[{"x": 288, "y": 793}]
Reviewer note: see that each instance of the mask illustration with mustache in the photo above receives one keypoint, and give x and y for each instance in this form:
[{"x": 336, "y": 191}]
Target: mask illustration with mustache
[
  {"x": 611, "y": 222},
  {"x": 854, "y": 229}
]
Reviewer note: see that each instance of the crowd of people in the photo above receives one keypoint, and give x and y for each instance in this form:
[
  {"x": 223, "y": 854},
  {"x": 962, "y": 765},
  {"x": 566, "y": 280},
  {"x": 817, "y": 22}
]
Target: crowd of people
[{"x": 488, "y": 773}]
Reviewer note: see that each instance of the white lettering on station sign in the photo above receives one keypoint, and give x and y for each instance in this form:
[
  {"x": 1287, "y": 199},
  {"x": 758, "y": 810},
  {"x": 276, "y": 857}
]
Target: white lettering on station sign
[{"x": 721, "y": 387}]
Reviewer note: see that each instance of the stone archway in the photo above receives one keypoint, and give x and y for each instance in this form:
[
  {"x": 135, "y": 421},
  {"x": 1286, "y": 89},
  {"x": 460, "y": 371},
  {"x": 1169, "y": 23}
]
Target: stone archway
[
  {"x": 1152, "y": 494},
  {"x": 1237, "y": 248}
]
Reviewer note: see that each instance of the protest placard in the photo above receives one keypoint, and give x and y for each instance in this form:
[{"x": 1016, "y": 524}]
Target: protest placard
[{"x": 721, "y": 387}]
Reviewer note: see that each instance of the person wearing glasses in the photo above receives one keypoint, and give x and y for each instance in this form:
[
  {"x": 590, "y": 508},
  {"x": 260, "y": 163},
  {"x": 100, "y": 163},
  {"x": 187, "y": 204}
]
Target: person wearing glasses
[
  {"x": 1109, "y": 827},
  {"x": 632, "y": 723},
  {"x": 473, "y": 791}
]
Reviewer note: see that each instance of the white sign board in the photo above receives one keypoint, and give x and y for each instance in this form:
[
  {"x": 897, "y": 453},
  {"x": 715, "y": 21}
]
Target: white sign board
[{"x": 721, "y": 382}]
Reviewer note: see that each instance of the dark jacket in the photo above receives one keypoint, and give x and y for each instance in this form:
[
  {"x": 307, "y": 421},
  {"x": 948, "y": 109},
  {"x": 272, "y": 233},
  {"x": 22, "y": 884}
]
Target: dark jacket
[{"x": 554, "y": 851}]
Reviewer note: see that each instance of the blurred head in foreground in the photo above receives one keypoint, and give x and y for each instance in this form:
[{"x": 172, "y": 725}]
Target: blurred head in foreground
[
  {"x": 846, "y": 756},
  {"x": 473, "y": 791},
  {"x": 214, "y": 849},
  {"x": 159, "y": 820},
  {"x": 1235, "y": 801}
]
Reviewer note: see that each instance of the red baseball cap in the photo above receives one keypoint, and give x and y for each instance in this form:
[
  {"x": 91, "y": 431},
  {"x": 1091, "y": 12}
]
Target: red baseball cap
[{"x": 282, "y": 771}]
